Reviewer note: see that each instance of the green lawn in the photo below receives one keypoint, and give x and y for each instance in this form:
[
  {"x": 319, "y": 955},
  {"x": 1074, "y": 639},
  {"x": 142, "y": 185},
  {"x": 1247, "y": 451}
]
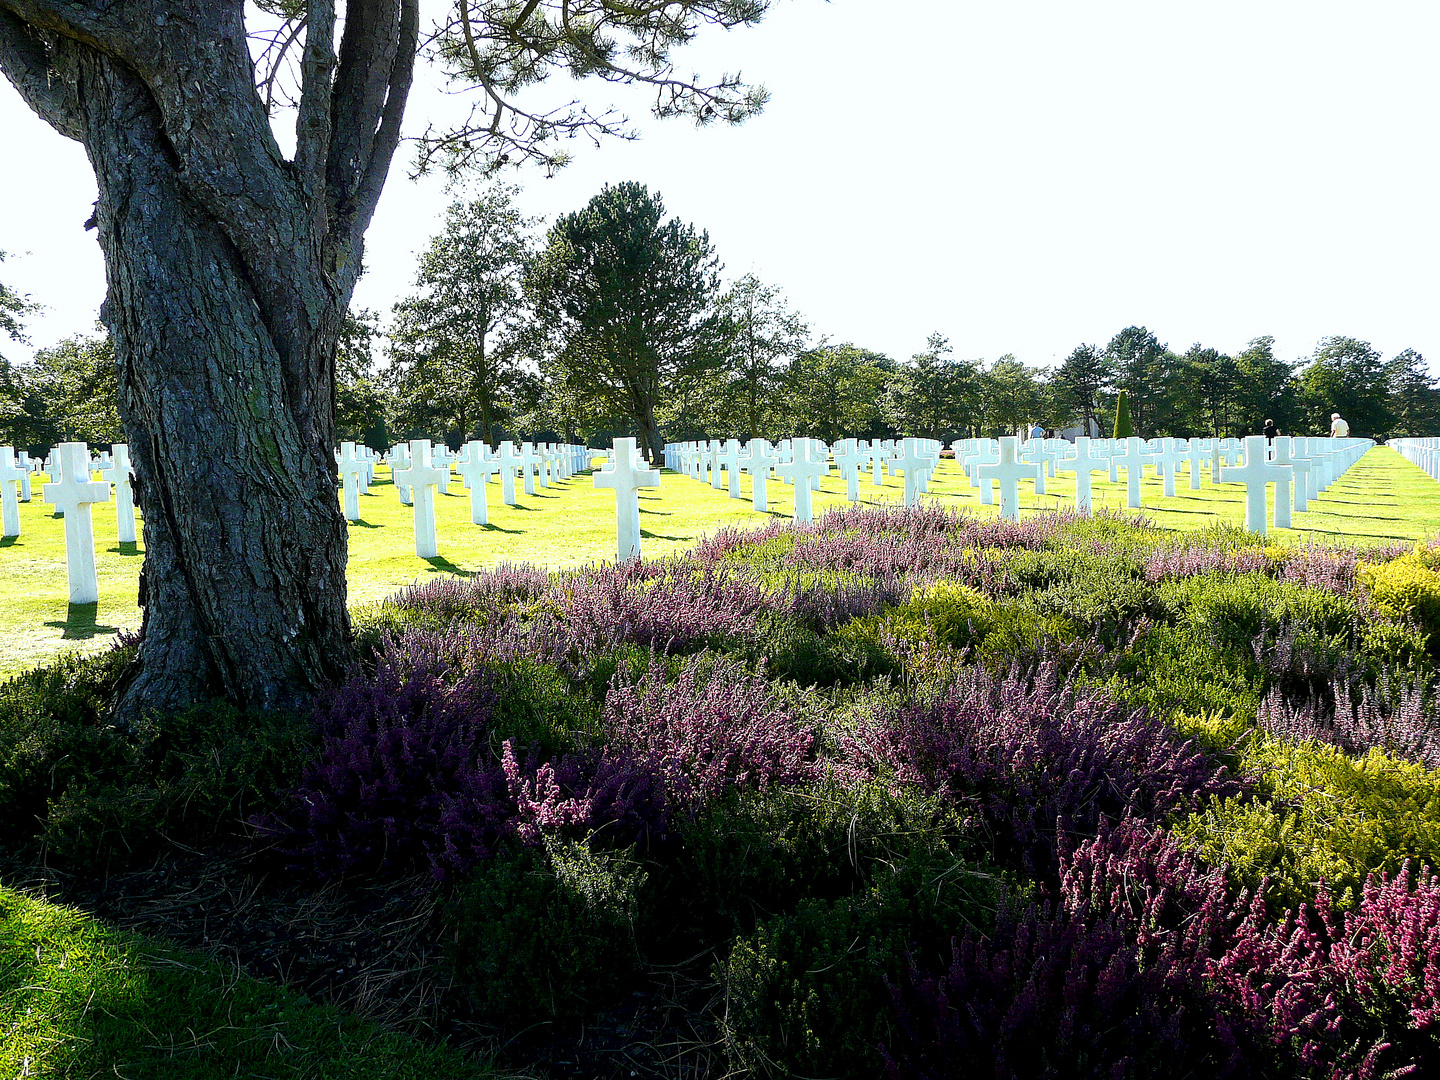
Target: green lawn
[
  {"x": 80, "y": 1000},
  {"x": 1382, "y": 498}
]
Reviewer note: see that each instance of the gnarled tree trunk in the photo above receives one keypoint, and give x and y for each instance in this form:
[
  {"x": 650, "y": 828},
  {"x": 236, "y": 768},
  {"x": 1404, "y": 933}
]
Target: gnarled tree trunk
[{"x": 228, "y": 270}]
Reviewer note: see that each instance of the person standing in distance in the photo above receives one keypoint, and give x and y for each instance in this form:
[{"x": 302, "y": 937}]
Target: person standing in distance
[
  {"x": 1270, "y": 431},
  {"x": 1339, "y": 429}
]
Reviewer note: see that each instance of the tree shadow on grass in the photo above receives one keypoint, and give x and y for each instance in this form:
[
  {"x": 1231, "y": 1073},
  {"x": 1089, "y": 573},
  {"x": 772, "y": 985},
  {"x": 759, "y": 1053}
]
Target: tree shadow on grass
[
  {"x": 444, "y": 565},
  {"x": 80, "y": 623}
]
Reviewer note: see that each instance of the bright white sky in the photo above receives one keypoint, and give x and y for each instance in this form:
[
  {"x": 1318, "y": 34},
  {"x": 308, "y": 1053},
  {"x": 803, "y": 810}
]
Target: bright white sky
[{"x": 1020, "y": 176}]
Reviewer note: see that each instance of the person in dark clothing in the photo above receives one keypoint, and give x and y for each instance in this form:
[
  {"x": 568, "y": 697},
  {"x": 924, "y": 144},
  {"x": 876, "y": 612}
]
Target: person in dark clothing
[{"x": 1271, "y": 431}]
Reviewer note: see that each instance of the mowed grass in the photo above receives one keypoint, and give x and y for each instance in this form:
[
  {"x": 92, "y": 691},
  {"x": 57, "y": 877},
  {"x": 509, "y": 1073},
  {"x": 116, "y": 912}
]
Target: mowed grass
[
  {"x": 1382, "y": 498},
  {"x": 79, "y": 999}
]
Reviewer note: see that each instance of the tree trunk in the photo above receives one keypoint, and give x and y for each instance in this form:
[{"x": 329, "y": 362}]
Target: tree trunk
[
  {"x": 228, "y": 271},
  {"x": 245, "y": 545}
]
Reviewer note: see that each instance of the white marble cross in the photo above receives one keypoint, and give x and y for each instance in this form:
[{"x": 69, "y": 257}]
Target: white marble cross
[
  {"x": 626, "y": 477},
  {"x": 510, "y": 460},
  {"x": 528, "y": 458},
  {"x": 399, "y": 461},
  {"x": 1035, "y": 453},
  {"x": 476, "y": 467},
  {"x": 73, "y": 496},
  {"x": 1008, "y": 471},
  {"x": 730, "y": 458},
  {"x": 23, "y": 460},
  {"x": 800, "y": 470},
  {"x": 986, "y": 452},
  {"x": 351, "y": 470},
  {"x": 912, "y": 458},
  {"x": 1255, "y": 474},
  {"x": 119, "y": 464},
  {"x": 1195, "y": 455},
  {"x": 10, "y": 476},
  {"x": 714, "y": 454},
  {"x": 847, "y": 460},
  {"x": 1082, "y": 465},
  {"x": 1133, "y": 461},
  {"x": 1168, "y": 458},
  {"x": 422, "y": 478},
  {"x": 1300, "y": 467},
  {"x": 878, "y": 455},
  {"x": 759, "y": 459}
]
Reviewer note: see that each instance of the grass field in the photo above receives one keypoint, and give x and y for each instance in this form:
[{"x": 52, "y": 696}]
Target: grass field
[{"x": 1382, "y": 498}]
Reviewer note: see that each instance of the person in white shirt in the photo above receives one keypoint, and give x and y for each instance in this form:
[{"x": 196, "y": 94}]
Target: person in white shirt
[{"x": 1339, "y": 429}]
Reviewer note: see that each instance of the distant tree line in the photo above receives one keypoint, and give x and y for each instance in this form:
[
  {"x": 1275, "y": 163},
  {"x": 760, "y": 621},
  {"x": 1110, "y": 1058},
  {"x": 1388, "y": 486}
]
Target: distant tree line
[{"x": 615, "y": 321}]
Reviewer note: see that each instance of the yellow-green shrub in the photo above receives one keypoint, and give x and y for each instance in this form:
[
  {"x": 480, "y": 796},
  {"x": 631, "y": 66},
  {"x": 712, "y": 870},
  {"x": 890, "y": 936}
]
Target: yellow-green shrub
[
  {"x": 960, "y": 617},
  {"x": 1320, "y": 814},
  {"x": 1404, "y": 588}
]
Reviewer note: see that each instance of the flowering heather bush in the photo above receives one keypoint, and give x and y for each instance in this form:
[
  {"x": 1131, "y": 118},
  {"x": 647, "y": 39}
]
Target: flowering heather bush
[
  {"x": 925, "y": 541},
  {"x": 1142, "y": 966},
  {"x": 1033, "y": 754},
  {"x": 1389, "y": 950},
  {"x": 397, "y": 747},
  {"x": 1355, "y": 717},
  {"x": 485, "y": 593},
  {"x": 407, "y": 777},
  {"x": 671, "y": 607},
  {"x": 1192, "y": 561},
  {"x": 705, "y": 735}
]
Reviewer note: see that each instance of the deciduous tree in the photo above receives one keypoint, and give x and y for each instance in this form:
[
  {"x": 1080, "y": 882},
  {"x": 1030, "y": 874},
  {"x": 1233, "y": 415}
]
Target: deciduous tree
[
  {"x": 934, "y": 396},
  {"x": 454, "y": 342},
  {"x": 762, "y": 336},
  {"x": 1345, "y": 375},
  {"x": 834, "y": 392}
]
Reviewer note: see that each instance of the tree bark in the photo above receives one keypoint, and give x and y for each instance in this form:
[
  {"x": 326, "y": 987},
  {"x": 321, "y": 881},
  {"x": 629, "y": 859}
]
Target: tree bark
[{"x": 228, "y": 273}]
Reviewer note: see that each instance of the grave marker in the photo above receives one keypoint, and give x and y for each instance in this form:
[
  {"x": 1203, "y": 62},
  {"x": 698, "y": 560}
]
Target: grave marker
[
  {"x": 351, "y": 470},
  {"x": 1255, "y": 474},
  {"x": 74, "y": 497},
  {"x": 510, "y": 460},
  {"x": 912, "y": 458},
  {"x": 119, "y": 464},
  {"x": 1082, "y": 465},
  {"x": 423, "y": 478},
  {"x": 626, "y": 477},
  {"x": 10, "y": 476},
  {"x": 758, "y": 461},
  {"x": 800, "y": 470},
  {"x": 476, "y": 468},
  {"x": 1009, "y": 472}
]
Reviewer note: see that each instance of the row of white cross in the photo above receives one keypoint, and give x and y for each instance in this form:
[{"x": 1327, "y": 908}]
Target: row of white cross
[
  {"x": 420, "y": 468},
  {"x": 1299, "y": 467},
  {"x": 1422, "y": 452}
]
